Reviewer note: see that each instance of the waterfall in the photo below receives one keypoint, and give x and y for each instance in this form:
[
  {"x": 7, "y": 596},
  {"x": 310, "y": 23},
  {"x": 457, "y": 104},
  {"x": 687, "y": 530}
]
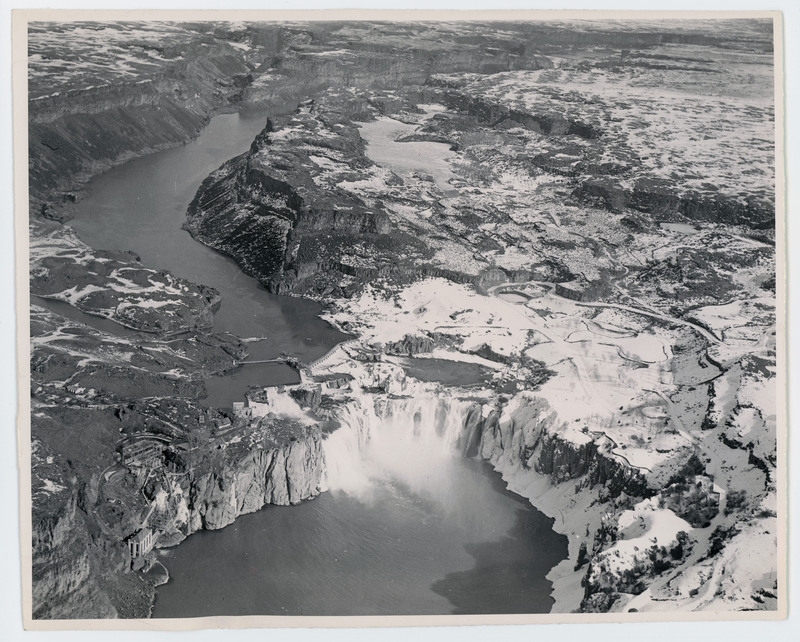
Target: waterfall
[
  {"x": 281, "y": 403},
  {"x": 414, "y": 441}
]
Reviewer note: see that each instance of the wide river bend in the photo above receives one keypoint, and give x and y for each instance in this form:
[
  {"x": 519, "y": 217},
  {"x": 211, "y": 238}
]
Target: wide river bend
[{"x": 463, "y": 544}]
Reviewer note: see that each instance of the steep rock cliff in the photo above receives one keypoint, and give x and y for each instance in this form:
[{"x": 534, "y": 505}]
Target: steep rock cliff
[
  {"x": 63, "y": 582},
  {"x": 78, "y": 132},
  {"x": 665, "y": 198},
  {"x": 527, "y": 434},
  {"x": 81, "y": 566},
  {"x": 286, "y": 474},
  {"x": 267, "y": 209}
]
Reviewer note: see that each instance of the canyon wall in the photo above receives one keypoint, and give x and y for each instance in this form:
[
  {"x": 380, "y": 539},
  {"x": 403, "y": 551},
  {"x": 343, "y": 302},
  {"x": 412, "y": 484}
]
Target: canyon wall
[
  {"x": 163, "y": 90},
  {"x": 284, "y": 475},
  {"x": 81, "y": 132},
  {"x": 81, "y": 565},
  {"x": 529, "y": 434}
]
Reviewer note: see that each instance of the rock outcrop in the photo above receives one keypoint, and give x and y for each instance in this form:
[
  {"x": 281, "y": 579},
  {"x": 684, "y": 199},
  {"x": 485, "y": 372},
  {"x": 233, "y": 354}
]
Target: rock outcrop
[
  {"x": 529, "y": 433},
  {"x": 81, "y": 568},
  {"x": 266, "y": 209},
  {"x": 494, "y": 113},
  {"x": 664, "y": 199},
  {"x": 410, "y": 345},
  {"x": 77, "y": 133},
  {"x": 64, "y": 585},
  {"x": 286, "y": 474}
]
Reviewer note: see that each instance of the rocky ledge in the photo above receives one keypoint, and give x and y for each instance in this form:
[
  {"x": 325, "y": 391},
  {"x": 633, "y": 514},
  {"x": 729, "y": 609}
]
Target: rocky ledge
[
  {"x": 81, "y": 563},
  {"x": 115, "y": 285}
]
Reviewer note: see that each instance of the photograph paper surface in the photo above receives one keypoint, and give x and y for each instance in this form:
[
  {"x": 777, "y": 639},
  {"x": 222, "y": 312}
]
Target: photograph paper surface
[{"x": 362, "y": 318}]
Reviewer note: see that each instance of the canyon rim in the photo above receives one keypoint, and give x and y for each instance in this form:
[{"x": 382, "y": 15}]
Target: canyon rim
[{"x": 435, "y": 318}]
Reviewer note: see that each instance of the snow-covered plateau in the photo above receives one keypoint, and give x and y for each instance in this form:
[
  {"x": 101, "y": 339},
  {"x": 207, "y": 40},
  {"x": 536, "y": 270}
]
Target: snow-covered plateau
[{"x": 549, "y": 246}]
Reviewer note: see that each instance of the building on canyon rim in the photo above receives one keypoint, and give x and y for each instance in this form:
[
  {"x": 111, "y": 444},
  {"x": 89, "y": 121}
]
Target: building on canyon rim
[{"x": 141, "y": 450}]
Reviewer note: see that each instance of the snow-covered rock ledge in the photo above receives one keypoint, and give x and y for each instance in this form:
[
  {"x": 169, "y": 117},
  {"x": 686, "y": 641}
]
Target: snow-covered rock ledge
[{"x": 634, "y": 546}]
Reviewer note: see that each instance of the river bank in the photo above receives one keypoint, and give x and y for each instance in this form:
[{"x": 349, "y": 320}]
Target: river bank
[
  {"x": 634, "y": 402},
  {"x": 105, "y": 220}
]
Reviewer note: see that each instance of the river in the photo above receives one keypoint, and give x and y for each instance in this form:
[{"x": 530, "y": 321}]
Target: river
[
  {"x": 459, "y": 544},
  {"x": 464, "y": 546},
  {"x": 141, "y": 205}
]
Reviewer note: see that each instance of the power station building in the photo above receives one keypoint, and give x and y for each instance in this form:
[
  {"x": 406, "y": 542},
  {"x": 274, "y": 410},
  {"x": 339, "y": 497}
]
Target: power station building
[
  {"x": 141, "y": 451},
  {"x": 141, "y": 543}
]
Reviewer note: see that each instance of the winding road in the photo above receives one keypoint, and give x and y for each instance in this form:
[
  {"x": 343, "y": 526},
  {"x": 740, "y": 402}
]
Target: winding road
[{"x": 619, "y": 306}]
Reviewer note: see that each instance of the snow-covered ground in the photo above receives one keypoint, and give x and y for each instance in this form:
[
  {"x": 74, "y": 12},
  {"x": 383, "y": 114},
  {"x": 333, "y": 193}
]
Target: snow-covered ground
[{"x": 617, "y": 383}]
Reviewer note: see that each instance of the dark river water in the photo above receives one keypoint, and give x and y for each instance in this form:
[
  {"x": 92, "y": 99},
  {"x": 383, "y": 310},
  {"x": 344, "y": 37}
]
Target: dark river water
[
  {"x": 461, "y": 545},
  {"x": 141, "y": 206}
]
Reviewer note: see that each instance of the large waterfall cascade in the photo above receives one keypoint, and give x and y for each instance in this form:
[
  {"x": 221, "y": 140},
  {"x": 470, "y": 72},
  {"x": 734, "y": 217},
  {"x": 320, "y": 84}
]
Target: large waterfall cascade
[
  {"x": 416, "y": 441},
  {"x": 410, "y": 526}
]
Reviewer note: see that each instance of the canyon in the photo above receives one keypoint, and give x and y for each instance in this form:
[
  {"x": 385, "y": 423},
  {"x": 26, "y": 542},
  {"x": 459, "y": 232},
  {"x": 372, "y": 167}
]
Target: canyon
[{"x": 526, "y": 247}]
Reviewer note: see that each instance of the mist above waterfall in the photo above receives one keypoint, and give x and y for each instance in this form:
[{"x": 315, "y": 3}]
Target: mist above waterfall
[
  {"x": 410, "y": 526},
  {"x": 414, "y": 446},
  {"x": 402, "y": 440}
]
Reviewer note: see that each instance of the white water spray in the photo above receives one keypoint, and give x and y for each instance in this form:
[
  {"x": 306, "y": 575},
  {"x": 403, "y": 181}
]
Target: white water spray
[{"x": 413, "y": 441}]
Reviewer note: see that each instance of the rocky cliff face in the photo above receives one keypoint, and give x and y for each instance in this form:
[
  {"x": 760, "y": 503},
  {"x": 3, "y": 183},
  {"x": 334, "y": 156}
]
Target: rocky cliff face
[
  {"x": 268, "y": 209},
  {"x": 86, "y": 128},
  {"x": 284, "y": 475},
  {"x": 662, "y": 198},
  {"x": 634, "y": 536},
  {"x": 63, "y": 582},
  {"x": 529, "y": 435},
  {"x": 81, "y": 566},
  {"x": 490, "y": 113}
]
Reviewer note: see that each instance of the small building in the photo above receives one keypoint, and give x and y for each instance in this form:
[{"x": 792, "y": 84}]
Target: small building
[
  {"x": 573, "y": 290},
  {"x": 238, "y": 408},
  {"x": 141, "y": 451},
  {"x": 336, "y": 380},
  {"x": 141, "y": 543}
]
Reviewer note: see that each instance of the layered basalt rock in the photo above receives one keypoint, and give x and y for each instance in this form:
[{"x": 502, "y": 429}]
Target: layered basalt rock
[
  {"x": 79, "y": 132},
  {"x": 75, "y": 546},
  {"x": 530, "y": 434},
  {"x": 285, "y": 474},
  {"x": 266, "y": 208},
  {"x": 63, "y": 582},
  {"x": 664, "y": 199},
  {"x": 492, "y": 114}
]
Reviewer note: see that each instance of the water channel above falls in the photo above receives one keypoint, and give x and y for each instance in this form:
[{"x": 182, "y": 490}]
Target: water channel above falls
[
  {"x": 141, "y": 205},
  {"x": 461, "y": 544}
]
